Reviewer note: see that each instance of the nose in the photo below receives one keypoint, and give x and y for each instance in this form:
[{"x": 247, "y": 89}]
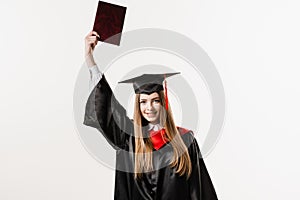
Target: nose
[{"x": 149, "y": 106}]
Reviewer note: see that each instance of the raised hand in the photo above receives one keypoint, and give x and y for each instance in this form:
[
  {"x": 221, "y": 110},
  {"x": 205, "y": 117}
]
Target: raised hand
[{"x": 91, "y": 41}]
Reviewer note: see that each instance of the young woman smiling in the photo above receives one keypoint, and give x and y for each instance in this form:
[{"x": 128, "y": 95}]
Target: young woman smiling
[
  {"x": 155, "y": 159},
  {"x": 150, "y": 106}
]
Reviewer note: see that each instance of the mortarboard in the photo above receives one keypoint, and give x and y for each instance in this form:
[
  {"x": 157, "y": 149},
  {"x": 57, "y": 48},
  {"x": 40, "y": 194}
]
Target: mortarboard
[
  {"x": 149, "y": 83},
  {"x": 109, "y": 21}
]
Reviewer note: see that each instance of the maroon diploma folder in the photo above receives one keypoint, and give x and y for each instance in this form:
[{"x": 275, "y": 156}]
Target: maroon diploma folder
[{"x": 109, "y": 22}]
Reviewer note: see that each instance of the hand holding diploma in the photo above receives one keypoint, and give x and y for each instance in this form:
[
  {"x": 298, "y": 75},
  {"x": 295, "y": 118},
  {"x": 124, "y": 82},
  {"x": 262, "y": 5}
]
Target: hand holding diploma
[{"x": 91, "y": 41}]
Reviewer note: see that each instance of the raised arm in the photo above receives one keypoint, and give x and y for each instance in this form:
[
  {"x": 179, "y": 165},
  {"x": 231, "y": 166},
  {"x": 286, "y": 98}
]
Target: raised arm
[
  {"x": 90, "y": 43},
  {"x": 102, "y": 110}
]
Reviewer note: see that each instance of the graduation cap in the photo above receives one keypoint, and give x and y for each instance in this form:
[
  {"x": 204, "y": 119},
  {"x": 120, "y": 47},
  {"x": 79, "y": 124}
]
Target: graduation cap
[{"x": 149, "y": 83}]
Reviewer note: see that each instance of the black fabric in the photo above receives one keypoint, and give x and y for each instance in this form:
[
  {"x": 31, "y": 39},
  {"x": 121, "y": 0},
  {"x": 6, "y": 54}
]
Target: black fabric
[
  {"x": 147, "y": 88},
  {"x": 105, "y": 113},
  {"x": 148, "y": 83}
]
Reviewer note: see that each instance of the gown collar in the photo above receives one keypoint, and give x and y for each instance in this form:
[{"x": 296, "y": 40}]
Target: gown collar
[
  {"x": 158, "y": 138},
  {"x": 157, "y": 135},
  {"x": 154, "y": 127}
]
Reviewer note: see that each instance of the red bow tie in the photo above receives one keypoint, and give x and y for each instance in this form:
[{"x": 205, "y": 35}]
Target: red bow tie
[{"x": 158, "y": 138}]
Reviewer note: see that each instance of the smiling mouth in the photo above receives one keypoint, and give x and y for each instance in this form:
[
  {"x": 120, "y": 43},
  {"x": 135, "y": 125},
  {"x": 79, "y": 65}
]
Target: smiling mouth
[{"x": 151, "y": 114}]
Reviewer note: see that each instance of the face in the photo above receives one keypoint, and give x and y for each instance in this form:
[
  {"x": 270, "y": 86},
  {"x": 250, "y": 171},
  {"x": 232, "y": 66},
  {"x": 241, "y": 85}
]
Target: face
[{"x": 150, "y": 106}]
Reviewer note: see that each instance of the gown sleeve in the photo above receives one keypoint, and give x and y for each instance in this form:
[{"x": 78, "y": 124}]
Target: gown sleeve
[
  {"x": 106, "y": 114},
  {"x": 200, "y": 184},
  {"x": 95, "y": 77}
]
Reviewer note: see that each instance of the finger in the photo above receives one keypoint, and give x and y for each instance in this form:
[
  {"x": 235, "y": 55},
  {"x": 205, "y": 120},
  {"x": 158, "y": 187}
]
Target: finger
[
  {"x": 92, "y": 40},
  {"x": 95, "y": 33},
  {"x": 89, "y": 34},
  {"x": 92, "y": 44},
  {"x": 91, "y": 37}
]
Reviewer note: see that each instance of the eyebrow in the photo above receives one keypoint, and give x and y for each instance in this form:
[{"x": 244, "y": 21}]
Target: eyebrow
[{"x": 150, "y": 99}]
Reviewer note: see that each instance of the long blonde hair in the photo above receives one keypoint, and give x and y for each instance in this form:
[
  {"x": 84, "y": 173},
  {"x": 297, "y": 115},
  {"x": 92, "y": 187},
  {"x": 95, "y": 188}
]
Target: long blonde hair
[{"x": 143, "y": 145}]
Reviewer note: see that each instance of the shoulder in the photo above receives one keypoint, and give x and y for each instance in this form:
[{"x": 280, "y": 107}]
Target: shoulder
[
  {"x": 187, "y": 135},
  {"x": 183, "y": 131},
  {"x": 190, "y": 142}
]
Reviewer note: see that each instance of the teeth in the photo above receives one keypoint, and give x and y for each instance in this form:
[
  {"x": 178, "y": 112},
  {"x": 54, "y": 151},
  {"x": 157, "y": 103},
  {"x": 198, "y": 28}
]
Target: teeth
[{"x": 150, "y": 115}]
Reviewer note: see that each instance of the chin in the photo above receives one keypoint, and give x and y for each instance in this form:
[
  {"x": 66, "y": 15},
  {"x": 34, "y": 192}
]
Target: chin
[{"x": 152, "y": 120}]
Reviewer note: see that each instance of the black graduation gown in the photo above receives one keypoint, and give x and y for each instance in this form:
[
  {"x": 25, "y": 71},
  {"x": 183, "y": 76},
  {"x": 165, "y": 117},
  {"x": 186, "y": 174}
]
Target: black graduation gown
[{"x": 104, "y": 113}]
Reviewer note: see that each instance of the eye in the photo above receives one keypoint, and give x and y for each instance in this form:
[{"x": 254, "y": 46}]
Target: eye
[
  {"x": 142, "y": 102},
  {"x": 156, "y": 101}
]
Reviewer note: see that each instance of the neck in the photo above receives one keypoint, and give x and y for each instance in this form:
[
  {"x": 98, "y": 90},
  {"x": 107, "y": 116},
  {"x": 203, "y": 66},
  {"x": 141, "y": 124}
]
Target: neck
[
  {"x": 154, "y": 127},
  {"x": 154, "y": 123}
]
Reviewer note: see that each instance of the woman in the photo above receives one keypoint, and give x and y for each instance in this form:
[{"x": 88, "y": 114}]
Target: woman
[{"x": 154, "y": 158}]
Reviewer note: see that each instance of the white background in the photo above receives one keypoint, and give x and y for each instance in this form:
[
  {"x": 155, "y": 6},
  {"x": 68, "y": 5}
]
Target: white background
[{"x": 254, "y": 45}]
